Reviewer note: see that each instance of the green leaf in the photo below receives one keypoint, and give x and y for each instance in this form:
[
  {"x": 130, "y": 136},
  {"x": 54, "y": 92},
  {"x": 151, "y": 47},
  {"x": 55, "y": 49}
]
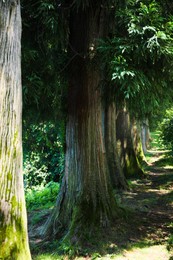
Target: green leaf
[{"x": 161, "y": 35}]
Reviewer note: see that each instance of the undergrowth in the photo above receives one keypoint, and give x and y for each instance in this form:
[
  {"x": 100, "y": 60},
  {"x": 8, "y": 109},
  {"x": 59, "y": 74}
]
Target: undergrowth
[
  {"x": 42, "y": 197},
  {"x": 113, "y": 240}
]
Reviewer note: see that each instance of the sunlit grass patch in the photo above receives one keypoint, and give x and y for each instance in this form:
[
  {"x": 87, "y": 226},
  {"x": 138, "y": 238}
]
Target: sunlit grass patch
[{"x": 48, "y": 257}]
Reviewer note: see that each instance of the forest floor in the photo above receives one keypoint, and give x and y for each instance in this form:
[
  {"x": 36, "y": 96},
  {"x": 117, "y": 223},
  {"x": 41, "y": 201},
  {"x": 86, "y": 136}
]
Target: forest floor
[
  {"x": 147, "y": 235},
  {"x": 146, "y": 231}
]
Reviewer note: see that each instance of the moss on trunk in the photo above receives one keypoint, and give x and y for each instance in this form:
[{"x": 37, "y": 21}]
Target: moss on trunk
[
  {"x": 126, "y": 145},
  {"x": 115, "y": 168},
  {"x": 13, "y": 226}
]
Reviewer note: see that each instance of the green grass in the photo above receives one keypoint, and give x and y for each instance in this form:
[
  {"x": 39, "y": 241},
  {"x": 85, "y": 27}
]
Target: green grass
[{"x": 48, "y": 257}]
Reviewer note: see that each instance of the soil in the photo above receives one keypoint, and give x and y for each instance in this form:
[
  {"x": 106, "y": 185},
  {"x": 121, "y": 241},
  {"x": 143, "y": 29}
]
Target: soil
[{"x": 151, "y": 201}]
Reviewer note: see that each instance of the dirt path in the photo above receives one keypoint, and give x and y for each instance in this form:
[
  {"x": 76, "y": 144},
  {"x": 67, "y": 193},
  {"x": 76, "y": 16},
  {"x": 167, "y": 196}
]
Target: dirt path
[
  {"x": 145, "y": 233},
  {"x": 152, "y": 199}
]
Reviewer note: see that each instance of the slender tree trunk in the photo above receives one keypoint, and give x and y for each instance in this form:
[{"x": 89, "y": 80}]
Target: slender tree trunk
[
  {"x": 13, "y": 226},
  {"x": 137, "y": 143},
  {"x": 126, "y": 148},
  {"x": 145, "y": 134},
  {"x": 86, "y": 196},
  {"x": 116, "y": 171}
]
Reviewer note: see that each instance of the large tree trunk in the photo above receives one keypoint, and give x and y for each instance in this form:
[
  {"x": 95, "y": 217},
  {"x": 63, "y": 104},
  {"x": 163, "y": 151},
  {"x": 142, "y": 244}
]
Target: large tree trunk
[
  {"x": 129, "y": 160},
  {"x": 115, "y": 168},
  {"x": 13, "y": 226},
  {"x": 86, "y": 195}
]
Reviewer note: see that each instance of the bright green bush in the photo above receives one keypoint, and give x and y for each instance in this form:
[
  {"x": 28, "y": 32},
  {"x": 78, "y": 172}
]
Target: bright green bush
[
  {"x": 167, "y": 133},
  {"x": 42, "y": 197},
  {"x": 167, "y": 130},
  {"x": 43, "y": 153}
]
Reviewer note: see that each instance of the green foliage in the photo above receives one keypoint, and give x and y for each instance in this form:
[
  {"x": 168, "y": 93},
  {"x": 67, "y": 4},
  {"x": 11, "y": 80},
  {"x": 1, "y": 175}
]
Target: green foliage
[
  {"x": 170, "y": 243},
  {"x": 167, "y": 133},
  {"x": 42, "y": 57},
  {"x": 156, "y": 142},
  {"x": 138, "y": 57},
  {"x": 167, "y": 129},
  {"x": 42, "y": 197},
  {"x": 43, "y": 153}
]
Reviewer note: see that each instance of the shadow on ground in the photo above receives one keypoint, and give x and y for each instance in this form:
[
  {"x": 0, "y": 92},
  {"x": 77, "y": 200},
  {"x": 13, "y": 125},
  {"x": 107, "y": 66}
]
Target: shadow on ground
[{"x": 148, "y": 218}]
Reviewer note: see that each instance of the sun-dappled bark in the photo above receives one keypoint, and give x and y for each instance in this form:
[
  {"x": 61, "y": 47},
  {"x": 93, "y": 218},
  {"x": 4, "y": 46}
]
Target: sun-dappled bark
[
  {"x": 115, "y": 168},
  {"x": 126, "y": 144},
  {"x": 137, "y": 142},
  {"x": 13, "y": 226},
  {"x": 85, "y": 197}
]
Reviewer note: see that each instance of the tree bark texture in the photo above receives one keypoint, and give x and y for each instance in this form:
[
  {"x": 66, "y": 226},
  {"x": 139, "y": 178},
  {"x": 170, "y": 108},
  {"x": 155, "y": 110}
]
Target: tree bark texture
[
  {"x": 145, "y": 135},
  {"x": 115, "y": 168},
  {"x": 86, "y": 196},
  {"x": 137, "y": 142},
  {"x": 13, "y": 226},
  {"x": 126, "y": 148}
]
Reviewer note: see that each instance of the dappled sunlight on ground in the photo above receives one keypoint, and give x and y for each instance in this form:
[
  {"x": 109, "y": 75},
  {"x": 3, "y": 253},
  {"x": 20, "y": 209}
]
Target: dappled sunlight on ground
[
  {"x": 158, "y": 252},
  {"x": 144, "y": 233},
  {"x": 155, "y": 155},
  {"x": 168, "y": 167}
]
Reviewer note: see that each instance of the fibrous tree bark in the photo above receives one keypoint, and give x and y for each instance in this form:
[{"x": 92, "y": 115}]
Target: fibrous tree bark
[
  {"x": 115, "y": 168},
  {"x": 13, "y": 226},
  {"x": 86, "y": 196},
  {"x": 137, "y": 141},
  {"x": 126, "y": 144},
  {"x": 145, "y": 134}
]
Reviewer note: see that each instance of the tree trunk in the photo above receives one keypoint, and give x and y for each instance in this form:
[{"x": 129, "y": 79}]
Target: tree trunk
[
  {"x": 85, "y": 198},
  {"x": 116, "y": 171},
  {"x": 13, "y": 226},
  {"x": 137, "y": 143},
  {"x": 145, "y": 135},
  {"x": 125, "y": 143}
]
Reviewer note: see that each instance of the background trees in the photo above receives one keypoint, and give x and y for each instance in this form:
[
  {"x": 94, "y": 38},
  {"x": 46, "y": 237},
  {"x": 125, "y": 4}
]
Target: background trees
[
  {"x": 138, "y": 61},
  {"x": 13, "y": 226}
]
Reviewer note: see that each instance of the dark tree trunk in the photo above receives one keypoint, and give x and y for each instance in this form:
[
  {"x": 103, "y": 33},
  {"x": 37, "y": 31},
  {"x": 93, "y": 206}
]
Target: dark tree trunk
[
  {"x": 13, "y": 226},
  {"x": 125, "y": 141},
  {"x": 86, "y": 196},
  {"x": 115, "y": 168}
]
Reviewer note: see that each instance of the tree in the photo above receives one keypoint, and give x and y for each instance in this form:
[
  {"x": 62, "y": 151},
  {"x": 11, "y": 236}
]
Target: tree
[
  {"x": 44, "y": 81},
  {"x": 127, "y": 146},
  {"x": 118, "y": 179},
  {"x": 139, "y": 63},
  {"x": 145, "y": 134},
  {"x": 13, "y": 226},
  {"x": 85, "y": 198}
]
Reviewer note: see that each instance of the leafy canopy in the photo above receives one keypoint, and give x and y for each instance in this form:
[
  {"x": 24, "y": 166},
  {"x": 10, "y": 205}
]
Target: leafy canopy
[{"x": 138, "y": 56}]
